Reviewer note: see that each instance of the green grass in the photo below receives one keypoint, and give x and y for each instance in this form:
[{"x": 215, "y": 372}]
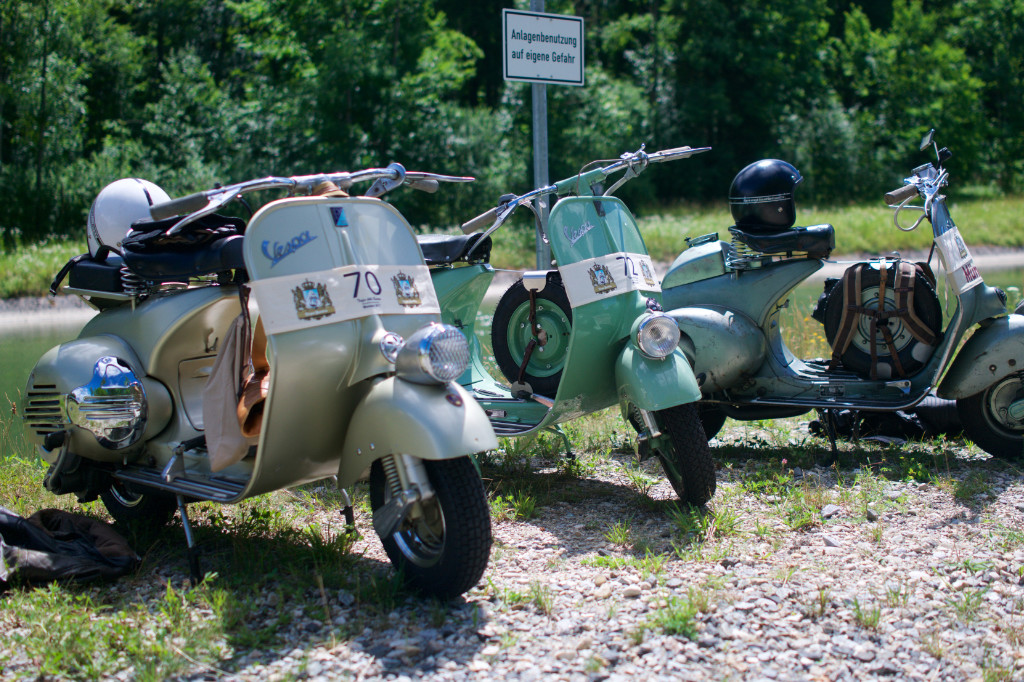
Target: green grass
[{"x": 29, "y": 268}]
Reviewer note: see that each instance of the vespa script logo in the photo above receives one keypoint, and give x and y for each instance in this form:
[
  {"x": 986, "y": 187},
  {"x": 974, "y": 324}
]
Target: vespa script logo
[
  {"x": 575, "y": 235},
  {"x": 280, "y": 251}
]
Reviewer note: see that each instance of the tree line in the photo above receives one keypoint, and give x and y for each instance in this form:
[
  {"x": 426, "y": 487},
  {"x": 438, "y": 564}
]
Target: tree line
[{"x": 188, "y": 93}]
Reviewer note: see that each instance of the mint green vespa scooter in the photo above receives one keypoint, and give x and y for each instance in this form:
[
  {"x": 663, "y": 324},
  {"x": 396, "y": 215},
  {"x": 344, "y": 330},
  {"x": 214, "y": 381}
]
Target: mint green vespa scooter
[{"x": 584, "y": 336}]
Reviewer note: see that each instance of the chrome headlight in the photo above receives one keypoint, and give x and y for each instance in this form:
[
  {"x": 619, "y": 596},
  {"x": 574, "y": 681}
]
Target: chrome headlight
[
  {"x": 657, "y": 335},
  {"x": 435, "y": 354}
]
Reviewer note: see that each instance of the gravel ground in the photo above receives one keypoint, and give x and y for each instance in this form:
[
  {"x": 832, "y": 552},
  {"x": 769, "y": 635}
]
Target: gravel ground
[{"x": 891, "y": 580}]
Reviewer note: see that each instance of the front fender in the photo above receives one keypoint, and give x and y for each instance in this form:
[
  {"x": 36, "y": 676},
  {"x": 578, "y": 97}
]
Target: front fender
[
  {"x": 654, "y": 384},
  {"x": 993, "y": 352},
  {"x": 428, "y": 422}
]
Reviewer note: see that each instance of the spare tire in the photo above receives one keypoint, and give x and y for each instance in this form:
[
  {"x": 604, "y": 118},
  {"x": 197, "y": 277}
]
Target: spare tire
[{"x": 913, "y": 353}]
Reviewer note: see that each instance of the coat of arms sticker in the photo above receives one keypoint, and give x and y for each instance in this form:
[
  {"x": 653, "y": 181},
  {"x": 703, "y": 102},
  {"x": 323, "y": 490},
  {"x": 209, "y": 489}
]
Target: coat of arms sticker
[
  {"x": 312, "y": 301},
  {"x": 405, "y": 290}
]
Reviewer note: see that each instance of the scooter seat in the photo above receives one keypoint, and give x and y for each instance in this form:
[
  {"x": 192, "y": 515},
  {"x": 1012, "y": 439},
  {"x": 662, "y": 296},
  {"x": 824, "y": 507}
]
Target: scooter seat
[
  {"x": 443, "y": 249},
  {"x": 817, "y": 241}
]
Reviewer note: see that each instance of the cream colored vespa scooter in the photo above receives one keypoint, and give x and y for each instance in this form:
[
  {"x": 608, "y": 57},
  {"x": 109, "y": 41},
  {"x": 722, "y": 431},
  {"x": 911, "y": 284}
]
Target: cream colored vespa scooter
[{"x": 360, "y": 376}]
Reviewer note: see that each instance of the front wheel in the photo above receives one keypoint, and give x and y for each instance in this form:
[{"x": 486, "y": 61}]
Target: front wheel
[
  {"x": 687, "y": 462},
  {"x": 138, "y": 506},
  {"x": 987, "y": 420},
  {"x": 442, "y": 547}
]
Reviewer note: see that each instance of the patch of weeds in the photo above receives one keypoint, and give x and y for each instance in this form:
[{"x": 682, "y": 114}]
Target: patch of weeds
[
  {"x": 875, "y": 533},
  {"x": 803, "y": 509},
  {"x": 518, "y": 505},
  {"x": 639, "y": 481},
  {"x": 975, "y": 566},
  {"x": 931, "y": 642},
  {"x": 867, "y": 616},
  {"x": 907, "y": 467},
  {"x": 967, "y": 604},
  {"x": 763, "y": 530},
  {"x": 678, "y": 617},
  {"x": 817, "y": 608},
  {"x": 703, "y": 526},
  {"x": 68, "y": 635},
  {"x": 784, "y": 575},
  {"x": 541, "y": 597},
  {"x": 594, "y": 664},
  {"x": 897, "y": 595},
  {"x": 575, "y": 467},
  {"x": 972, "y": 485},
  {"x": 649, "y": 563},
  {"x": 1007, "y": 538},
  {"x": 621, "y": 533}
]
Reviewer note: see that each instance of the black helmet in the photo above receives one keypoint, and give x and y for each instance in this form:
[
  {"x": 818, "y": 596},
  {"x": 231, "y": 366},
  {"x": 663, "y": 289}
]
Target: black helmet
[{"x": 761, "y": 195}]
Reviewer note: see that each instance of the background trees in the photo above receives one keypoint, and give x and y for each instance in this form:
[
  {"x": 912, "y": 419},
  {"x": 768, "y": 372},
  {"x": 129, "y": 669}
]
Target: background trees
[{"x": 192, "y": 92}]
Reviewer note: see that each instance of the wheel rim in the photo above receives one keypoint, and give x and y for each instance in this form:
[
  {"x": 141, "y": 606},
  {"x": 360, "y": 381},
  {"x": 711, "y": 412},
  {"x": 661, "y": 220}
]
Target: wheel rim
[
  {"x": 125, "y": 497},
  {"x": 997, "y": 400},
  {"x": 546, "y": 360},
  {"x": 900, "y": 334},
  {"x": 421, "y": 539}
]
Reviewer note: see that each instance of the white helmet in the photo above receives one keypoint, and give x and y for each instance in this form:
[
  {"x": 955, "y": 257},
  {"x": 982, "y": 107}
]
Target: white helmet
[{"x": 116, "y": 207}]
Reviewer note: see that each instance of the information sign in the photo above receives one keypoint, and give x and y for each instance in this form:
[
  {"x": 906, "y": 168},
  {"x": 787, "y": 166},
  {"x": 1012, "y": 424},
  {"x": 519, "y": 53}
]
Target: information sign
[{"x": 542, "y": 48}]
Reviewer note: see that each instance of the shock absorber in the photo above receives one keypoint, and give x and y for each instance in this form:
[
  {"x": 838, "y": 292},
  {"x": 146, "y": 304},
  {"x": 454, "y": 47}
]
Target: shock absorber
[
  {"x": 132, "y": 284},
  {"x": 391, "y": 474}
]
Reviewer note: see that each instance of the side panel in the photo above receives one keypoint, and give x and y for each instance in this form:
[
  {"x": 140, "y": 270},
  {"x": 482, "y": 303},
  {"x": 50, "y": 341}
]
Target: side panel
[
  {"x": 727, "y": 345},
  {"x": 992, "y": 353},
  {"x": 398, "y": 417}
]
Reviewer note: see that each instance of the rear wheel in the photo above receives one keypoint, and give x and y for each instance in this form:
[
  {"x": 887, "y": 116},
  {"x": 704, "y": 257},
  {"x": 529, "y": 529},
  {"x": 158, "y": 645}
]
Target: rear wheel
[
  {"x": 443, "y": 547},
  {"x": 712, "y": 418},
  {"x": 511, "y": 334},
  {"x": 986, "y": 419},
  {"x": 138, "y": 506}
]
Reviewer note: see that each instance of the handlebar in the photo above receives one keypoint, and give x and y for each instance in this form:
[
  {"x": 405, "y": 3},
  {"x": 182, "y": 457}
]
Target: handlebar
[
  {"x": 900, "y": 195},
  {"x": 185, "y": 204},
  {"x": 633, "y": 162},
  {"x": 203, "y": 203}
]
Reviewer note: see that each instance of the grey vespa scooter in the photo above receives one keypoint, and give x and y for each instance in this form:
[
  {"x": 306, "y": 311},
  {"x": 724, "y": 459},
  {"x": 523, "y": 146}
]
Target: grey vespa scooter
[
  {"x": 357, "y": 377},
  {"x": 882, "y": 319}
]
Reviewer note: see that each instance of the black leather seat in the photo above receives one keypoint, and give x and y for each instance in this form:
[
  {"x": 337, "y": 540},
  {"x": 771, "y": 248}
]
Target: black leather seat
[
  {"x": 443, "y": 249},
  {"x": 817, "y": 241}
]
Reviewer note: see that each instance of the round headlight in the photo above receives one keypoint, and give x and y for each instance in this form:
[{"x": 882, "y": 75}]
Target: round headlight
[
  {"x": 437, "y": 353},
  {"x": 657, "y": 336}
]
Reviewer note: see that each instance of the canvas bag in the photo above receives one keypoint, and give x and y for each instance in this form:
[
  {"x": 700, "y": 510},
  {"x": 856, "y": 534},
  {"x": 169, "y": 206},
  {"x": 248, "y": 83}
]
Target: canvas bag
[{"x": 225, "y": 442}]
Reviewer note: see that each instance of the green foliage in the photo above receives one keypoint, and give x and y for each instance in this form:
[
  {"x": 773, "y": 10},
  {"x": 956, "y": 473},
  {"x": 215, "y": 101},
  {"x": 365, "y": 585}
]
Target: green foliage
[{"x": 188, "y": 93}]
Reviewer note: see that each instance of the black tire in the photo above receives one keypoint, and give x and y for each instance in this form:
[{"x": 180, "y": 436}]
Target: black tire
[
  {"x": 137, "y": 506},
  {"x": 688, "y": 465},
  {"x": 445, "y": 553},
  {"x": 912, "y": 353},
  {"x": 985, "y": 421},
  {"x": 712, "y": 418},
  {"x": 511, "y": 332}
]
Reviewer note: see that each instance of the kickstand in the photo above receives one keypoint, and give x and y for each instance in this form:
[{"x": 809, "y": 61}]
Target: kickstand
[
  {"x": 828, "y": 423},
  {"x": 557, "y": 430},
  {"x": 346, "y": 509},
  {"x": 193, "y": 550}
]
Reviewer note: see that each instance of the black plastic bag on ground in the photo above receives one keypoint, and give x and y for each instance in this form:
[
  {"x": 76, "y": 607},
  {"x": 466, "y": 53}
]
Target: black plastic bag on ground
[{"x": 58, "y": 545}]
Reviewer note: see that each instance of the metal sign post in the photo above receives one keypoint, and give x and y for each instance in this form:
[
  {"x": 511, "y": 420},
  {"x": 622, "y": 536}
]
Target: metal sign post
[{"x": 540, "y": 49}]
